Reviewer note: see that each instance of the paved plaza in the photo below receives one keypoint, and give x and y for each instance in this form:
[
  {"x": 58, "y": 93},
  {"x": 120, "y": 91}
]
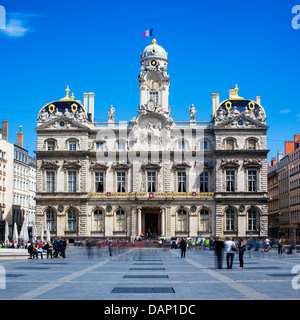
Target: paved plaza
[{"x": 150, "y": 274}]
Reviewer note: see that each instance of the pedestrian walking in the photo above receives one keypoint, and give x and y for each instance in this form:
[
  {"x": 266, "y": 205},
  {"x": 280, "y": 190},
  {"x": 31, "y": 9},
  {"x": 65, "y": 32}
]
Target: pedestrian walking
[
  {"x": 242, "y": 248},
  {"x": 280, "y": 246},
  {"x": 63, "y": 247},
  {"x": 219, "y": 246},
  {"x": 230, "y": 249},
  {"x": 183, "y": 247}
]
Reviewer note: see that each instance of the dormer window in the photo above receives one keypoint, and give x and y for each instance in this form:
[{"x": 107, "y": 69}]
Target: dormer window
[
  {"x": 121, "y": 146},
  {"x": 203, "y": 145},
  {"x": 100, "y": 146},
  {"x": 251, "y": 144},
  {"x": 51, "y": 145},
  {"x": 229, "y": 144},
  {"x": 72, "y": 145},
  {"x": 181, "y": 145}
]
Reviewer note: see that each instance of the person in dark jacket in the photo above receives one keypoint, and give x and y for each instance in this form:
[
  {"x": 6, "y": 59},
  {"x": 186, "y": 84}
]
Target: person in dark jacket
[
  {"x": 183, "y": 247},
  {"x": 219, "y": 246},
  {"x": 56, "y": 247},
  {"x": 31, "y": 251}
]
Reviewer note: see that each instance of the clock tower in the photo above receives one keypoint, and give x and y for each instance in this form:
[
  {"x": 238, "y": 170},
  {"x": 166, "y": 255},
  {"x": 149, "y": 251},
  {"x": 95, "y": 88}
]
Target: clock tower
[{"x": 154, "y": 79}]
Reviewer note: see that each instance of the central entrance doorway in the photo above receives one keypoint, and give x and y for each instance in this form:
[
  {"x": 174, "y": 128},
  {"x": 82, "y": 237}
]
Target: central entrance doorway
[{"x": 152, "y": 223}]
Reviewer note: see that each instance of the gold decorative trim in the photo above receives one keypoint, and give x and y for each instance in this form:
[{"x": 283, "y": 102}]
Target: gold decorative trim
[
  {"x": 228, "y": 105},
  {"x": 51, "y": 108},
  {"x": 251, "y": 103},
  {"x": 74, "y": 107}
]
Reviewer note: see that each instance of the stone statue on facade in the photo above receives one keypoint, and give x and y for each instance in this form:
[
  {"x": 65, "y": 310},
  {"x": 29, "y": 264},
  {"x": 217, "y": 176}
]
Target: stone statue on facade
[
  {"x": 111, "y": 114},
  {"x": 193, "y": 112}
]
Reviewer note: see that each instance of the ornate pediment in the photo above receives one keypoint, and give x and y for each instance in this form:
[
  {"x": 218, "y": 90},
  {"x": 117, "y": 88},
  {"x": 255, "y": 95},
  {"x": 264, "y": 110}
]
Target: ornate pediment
[
  {"x": 150, "y": 166},
  {"x": 121, "y": 166},
  {"x": 208, "y": 165},
  {"x": 101, "y": 166},
  {"x": 230, "y": 163},
  {"x": 50, "y": 165},
  {"x": 243, "y": 120},
  {"x": 72, "y": 164},
  {"x": 61, "y": 122},
  {"x": 250, "y": 163},
  {"x": 181, "y": 165}
]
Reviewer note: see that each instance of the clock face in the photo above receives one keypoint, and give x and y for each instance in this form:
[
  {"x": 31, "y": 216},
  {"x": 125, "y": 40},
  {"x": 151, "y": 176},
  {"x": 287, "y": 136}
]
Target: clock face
[{"x": 153, "y": 82}]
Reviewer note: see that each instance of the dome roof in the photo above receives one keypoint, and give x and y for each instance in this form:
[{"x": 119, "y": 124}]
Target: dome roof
[{"x": 154, "y": 51}]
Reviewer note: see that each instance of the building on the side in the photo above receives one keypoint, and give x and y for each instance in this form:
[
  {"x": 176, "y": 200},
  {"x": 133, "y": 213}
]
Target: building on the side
[
  {"x": 152, "y": 174},
  {"x": 15, "y": 178},
  {"x": 284, "y": 191}
]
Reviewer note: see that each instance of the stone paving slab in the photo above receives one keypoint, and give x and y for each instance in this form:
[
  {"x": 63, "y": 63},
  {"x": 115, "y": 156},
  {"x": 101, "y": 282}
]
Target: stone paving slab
[{"x": 148, "y": 274}]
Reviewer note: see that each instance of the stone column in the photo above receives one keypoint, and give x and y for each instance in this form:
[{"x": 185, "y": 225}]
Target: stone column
[
  {"x": 163, "y": 220},
  {"x": 139, "y": 220}
]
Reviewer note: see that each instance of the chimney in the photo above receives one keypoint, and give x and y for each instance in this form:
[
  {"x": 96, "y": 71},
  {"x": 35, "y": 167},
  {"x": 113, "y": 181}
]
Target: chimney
[
  {"x": 273, "y": 162},
  {"x": 85, "y": 101},
  {"x": 232, "y": 94},
  {"x": 20, "y": 137},
  {"x": 296, "y": 137},
  {"x": 258, "y": 100},
  {"x": 289, "y": 147},
  {"x": 5, "y": 130},
  {"x": 91, "y": 105},
  {"x": 279, "y": 155},
  {"x": 215, "y": 102}
]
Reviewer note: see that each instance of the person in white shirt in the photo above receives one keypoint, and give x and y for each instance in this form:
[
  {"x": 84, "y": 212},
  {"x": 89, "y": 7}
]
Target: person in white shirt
[{"x": 230, "y": 249}]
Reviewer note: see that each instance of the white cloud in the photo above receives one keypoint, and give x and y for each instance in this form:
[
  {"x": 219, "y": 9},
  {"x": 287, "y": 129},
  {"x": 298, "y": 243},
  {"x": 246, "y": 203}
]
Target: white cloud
[
  {"x": 285, "y": 111},
  {"x": 16, "y": 25},
  {"x": 15, "y": 28}
]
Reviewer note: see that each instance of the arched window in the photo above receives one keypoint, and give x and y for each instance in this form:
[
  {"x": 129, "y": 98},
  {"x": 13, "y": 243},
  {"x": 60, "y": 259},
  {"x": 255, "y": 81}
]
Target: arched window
[
  {"x": 50, "y": 219},
  {"x": 230, "y": 220},
  {"x": 204, "y": 220},
  {"x": 252, "y": 219},
  {"x": 72, "y": 220},
  {"x": 229, "y": 144},
  {"x": 182, "y": 220},
  {"x": 120, "y": 224},
  {"x": 98, "y": 221}
]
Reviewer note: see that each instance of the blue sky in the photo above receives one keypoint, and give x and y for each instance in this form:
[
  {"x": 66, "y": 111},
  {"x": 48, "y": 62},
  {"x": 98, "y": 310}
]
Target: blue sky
[{"x": 95, "y": 46}]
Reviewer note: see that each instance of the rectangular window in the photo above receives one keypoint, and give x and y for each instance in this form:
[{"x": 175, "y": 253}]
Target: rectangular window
[
  {"x": 72, "y": 181},
  {"x": 50, "y": 181},
  {"x": 181, "y": 177},
  {"x": 72, "y": 146},
  {"x": 151, "y": 176},
  {"x": 181, "y": 145},
  {"x": 99, "y": 146},
  {"x": 154, "y": 96},
  {"x": 51, "y": 145},
  {"x": 203, "y": 145},
  {"x": 204, "y": 182},
  {"x": 252, "y": 180},
  {"x": 121, "y": 146},
  {"x": 121, "y": 182},
  {"x": 230, "y": 181},
  {"x": 99, "y": 182}
]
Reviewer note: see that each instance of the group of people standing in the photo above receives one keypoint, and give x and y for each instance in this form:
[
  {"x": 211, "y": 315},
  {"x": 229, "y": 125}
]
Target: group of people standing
[
  {"x": 230, "y": 248},
  {"x": 53, "y": 250}
]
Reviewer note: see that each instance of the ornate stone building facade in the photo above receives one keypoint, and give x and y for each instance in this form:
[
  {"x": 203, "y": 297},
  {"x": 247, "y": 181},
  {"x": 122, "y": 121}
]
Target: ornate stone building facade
[{"x": 152, "y": 174}]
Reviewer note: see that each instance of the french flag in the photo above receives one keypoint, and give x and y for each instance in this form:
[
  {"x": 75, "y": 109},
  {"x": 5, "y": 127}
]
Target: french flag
[{"x": 148, "y": 33}]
